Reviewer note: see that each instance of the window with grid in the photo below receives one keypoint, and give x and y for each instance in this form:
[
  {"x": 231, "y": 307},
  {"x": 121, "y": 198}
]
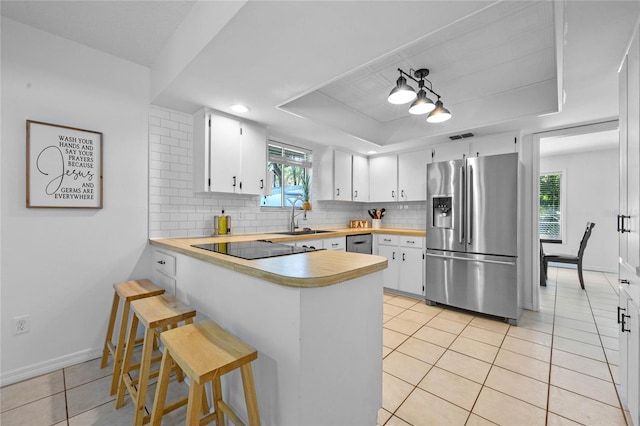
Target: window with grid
[
  {"x": 551, "y": 214},
  {"x": 289, "y": 174}
]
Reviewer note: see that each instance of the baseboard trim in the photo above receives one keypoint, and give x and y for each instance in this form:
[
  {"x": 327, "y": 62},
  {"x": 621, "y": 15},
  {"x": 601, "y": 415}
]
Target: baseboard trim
[
  {"x": 34, "y": 370},
  {"x": 585, "y": 267}
]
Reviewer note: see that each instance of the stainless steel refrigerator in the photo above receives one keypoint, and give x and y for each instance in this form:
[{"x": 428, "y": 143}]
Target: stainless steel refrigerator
[{"x": 472, "y": 235}]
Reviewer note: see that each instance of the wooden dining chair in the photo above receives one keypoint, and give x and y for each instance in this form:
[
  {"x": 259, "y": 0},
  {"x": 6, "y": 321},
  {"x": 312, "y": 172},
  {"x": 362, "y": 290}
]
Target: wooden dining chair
[{"x": 567, "y": 258}]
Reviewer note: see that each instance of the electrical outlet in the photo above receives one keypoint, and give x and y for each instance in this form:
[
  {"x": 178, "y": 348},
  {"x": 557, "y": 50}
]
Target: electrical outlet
[{"x": 21, "y": 324}]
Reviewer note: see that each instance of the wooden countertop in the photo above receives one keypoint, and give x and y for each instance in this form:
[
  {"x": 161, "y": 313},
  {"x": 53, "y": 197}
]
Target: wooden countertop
[{"x": 314, "y": 269}]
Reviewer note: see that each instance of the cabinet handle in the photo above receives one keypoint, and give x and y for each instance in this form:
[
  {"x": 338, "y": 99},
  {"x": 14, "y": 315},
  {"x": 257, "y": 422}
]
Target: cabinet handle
[
  {"x": 620, "y": 227},
  {"x": 240, "y": 184},
  {"x": 261, "y": 183},
  {"x": 386, "y": 239},
  {"x": 403, "y": 257},
  {"x": 337, "y": 192},
  {"x": 335, "y": 244},
  {"x": 410, "y": 242},
  {"x": 234, "y": 181},
  {"x": 355, "y": 194},
  {"x": 393, "y": 255},
  {"x": 393, "y": 194},
  {"x": 623, "y": 281},
  {"x": 162, "y": 262},
  {"x": 402, "y": 193},
  {"x": 624, "y": 323},
  {"x": 619, "y": 311}
]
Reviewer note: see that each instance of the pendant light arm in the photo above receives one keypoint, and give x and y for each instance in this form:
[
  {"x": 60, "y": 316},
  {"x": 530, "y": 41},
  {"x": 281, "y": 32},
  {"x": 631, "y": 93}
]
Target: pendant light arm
[{"x": 421, "y": 74}]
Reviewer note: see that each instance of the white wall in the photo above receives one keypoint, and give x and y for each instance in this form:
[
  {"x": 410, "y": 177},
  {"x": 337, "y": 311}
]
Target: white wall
[
  {"x": 58, "y": 265},
  {"x": 591, "y": 196}
]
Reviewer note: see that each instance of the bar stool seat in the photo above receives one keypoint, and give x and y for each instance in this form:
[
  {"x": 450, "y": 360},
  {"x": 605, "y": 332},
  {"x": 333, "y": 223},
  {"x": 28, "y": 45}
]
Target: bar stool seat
[
  {"x": 156, "y": 314},
  {"x": 128, "y": 291},
  {"x": 205, "y": 352}
]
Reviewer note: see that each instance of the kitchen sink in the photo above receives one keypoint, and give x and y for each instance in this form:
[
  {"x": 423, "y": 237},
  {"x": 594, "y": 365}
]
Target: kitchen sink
[{"x": 305, "y": 231}]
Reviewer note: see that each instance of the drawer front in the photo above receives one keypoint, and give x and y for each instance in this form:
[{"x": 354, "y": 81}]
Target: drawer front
[
  {"x": 417, "y": 242},
  {"x": 387, "y": 240},
  {"x": 164, "y": 281},
  {"x": 164, "y": 262},
  {"x": 336, "y": 243}
]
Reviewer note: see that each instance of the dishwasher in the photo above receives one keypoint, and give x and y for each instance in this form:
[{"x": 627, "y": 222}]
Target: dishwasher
[{"x": 360, "y": 243}]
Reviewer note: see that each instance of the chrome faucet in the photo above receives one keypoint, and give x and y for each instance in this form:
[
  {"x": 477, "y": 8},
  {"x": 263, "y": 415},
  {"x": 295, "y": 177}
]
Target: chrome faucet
[{"x": 292, "y": 224}]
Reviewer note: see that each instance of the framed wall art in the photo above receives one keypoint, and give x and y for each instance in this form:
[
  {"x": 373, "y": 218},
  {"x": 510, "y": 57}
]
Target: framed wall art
[{"x": 64, "y": 167}]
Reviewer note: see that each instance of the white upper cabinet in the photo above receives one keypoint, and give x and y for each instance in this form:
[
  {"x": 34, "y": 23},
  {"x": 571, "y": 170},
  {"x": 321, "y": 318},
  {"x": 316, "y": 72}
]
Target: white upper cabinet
[
  {"x": 412, "y": 175},
  {"x": 341, "y": 175},
  {"x": 360, "y": 178},
  {"x": 383, "y": 178},
  {"x": 229, "y": 155},
  {"x": 254, "y": 159},
  {"x": 502, "y": 143}
]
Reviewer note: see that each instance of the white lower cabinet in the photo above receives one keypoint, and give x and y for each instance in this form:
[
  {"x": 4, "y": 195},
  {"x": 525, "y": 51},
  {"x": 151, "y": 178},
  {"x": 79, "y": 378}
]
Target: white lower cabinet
[
  {"x": 405, "y": 259},
  {"x": 629, "y": 320},
  {"x": 164, "y": 271},
  {"x": 334, "y": 243}
]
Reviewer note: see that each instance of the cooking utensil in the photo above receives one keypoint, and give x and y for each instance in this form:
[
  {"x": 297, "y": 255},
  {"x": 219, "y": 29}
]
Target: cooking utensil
[
  {"x": 372, "y": 213},
  {"x": 382, "y": 212}
]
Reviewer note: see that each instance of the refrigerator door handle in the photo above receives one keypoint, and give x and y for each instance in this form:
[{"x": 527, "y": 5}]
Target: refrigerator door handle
[
  {"x": 470, "y": 259},
  {"x": 470, "y": 207},
  {"x": 461, "y": 209}
]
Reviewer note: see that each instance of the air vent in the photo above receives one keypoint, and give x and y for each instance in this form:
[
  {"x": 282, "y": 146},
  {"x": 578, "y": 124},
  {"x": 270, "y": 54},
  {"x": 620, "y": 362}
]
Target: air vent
[{"x": 462, "y": 136}]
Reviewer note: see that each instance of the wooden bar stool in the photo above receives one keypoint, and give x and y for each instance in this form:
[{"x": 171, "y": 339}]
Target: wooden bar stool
[
  {"x": 156, "y": 314},
  {"x": 205, "y": 352},
  {"x": 128, "y": 291}
]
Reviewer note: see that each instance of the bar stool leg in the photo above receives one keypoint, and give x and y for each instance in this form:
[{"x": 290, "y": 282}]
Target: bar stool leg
[
  {"x": 143, "y": 379},
  {"x": 250, "y": 394},
  {"x": 161, "y": 390},
  {"x": 217, "y": 398},
  {"x": 195, "y": 402},
  {"x": 127, "y": 361},
  {"x": 112, "y": 322},
  {"x": 117, "y": 361}
]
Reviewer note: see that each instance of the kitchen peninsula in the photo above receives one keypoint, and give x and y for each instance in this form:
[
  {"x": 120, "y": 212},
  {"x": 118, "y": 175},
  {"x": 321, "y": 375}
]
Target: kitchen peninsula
[{"x": 313, "y": 317}]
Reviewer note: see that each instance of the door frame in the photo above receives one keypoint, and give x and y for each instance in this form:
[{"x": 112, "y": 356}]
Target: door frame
[{"x": 535, "y": 190}]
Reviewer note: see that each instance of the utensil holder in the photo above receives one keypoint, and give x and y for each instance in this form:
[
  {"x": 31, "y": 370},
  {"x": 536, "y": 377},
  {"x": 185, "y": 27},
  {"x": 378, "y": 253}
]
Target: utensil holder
[{"x": 376, "y": 223}]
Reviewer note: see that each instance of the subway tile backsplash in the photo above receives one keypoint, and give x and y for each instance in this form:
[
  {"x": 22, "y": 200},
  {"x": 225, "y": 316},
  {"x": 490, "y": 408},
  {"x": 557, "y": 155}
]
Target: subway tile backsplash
[{"x": 176, "y": 211}]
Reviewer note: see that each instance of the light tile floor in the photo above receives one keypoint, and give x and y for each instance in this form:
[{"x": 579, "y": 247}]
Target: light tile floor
[
  {"x": 441, "y": 366},
  {"x": 559, "y": 366}
]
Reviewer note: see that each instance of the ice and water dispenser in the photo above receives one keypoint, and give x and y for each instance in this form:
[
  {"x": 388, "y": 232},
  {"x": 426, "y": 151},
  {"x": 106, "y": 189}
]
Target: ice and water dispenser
[{"x": 441, "y": 212}]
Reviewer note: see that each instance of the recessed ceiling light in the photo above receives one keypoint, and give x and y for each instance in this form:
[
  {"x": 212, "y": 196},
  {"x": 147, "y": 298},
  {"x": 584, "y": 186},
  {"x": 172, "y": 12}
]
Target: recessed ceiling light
[
  {"x": 372, "y": 152},
  {"x": 240, "y": 108}
]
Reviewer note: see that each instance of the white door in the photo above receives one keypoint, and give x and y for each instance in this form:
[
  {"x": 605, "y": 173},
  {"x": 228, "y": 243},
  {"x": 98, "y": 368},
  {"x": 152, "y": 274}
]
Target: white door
[
  {"x": 412, "y": 175},
  {"x": 254, "y": 159},
  {"x": 342, "y": 175},
  {"x": 390, "y": 275},
  {"x": 383, "y": 178},
  {"x": 225, "y": 154},
  {"x": 360, "y": 178},
  {"x": 411, "y": 270}
]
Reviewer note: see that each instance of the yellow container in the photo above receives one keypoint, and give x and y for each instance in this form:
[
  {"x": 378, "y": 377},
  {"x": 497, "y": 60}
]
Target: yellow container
[{"x": 222, "y": 225}]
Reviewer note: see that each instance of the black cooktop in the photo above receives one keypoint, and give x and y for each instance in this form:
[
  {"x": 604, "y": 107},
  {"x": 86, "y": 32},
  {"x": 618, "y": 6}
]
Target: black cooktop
[{"x": 254, "y": 249}]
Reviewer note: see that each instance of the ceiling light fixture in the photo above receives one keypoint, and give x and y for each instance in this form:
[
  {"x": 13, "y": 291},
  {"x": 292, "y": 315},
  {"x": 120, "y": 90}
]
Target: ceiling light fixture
[
  {"x": 240, "y": 108},
  {"x": 403, "y": 93}
]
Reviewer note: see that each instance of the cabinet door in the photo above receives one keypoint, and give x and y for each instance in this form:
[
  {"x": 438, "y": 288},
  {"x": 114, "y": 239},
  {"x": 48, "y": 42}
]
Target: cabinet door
[
  {"x": 411, "y": 271},
  {"x": 623, "y": 121},
  {"x": 225, "y": 154},
  {"x": 390, "y": 275},
  {"x": 412, "y": 175},
  {"x": 342, "y": 175},
  {"x": 254, "y": 159},
  {"x": 633, "y": 355},
  {"x": 335, "y": 243},
  {"x": 633, "y": 152},
  {"x": 493, "y": 145},
  {"x": 456, "y": 150},
  {"x": 383, "y": 178},
  {"x": 201, "y": 150},
  {"x": 360, "y": 178}
]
